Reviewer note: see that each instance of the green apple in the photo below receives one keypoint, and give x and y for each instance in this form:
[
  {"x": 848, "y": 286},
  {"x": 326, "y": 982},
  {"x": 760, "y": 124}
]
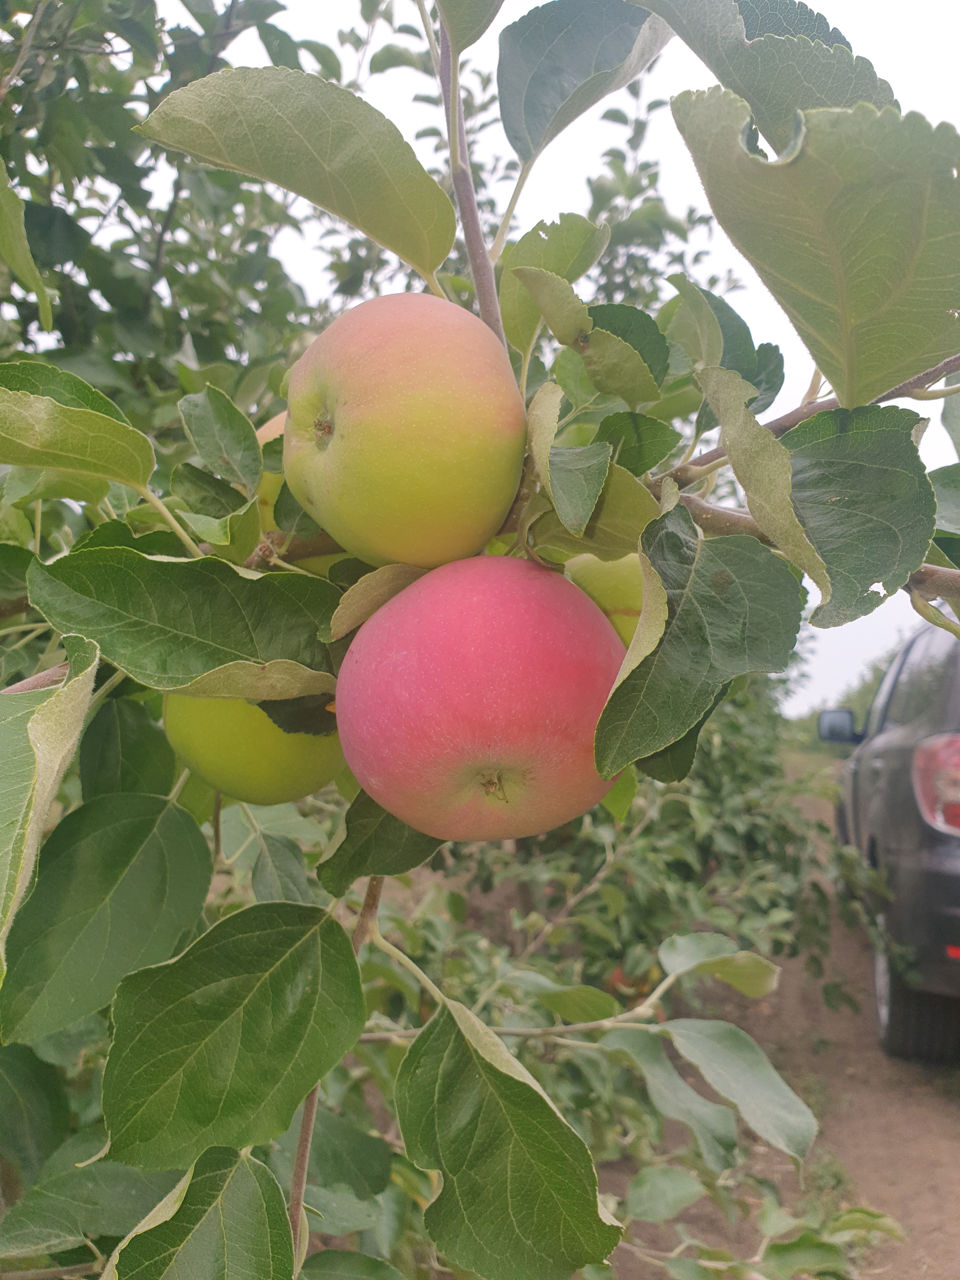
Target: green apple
[
  {"x": 615, "y": 585},
  {"x": 406, "y": 431},
  {"x": 236, "y": 747}
]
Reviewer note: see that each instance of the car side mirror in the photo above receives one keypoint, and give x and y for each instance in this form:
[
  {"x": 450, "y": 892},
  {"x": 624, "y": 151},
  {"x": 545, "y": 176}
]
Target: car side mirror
[{"x": 837, "y": 725}]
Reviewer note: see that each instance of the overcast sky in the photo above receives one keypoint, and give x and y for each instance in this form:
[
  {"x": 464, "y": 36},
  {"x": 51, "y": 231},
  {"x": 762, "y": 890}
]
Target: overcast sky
[{"x": 914, "y": 47}]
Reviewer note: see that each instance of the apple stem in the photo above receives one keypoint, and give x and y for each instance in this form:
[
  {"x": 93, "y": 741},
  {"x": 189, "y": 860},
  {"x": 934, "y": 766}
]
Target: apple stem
[
  {"x": 480, "y": 265},
  {"x": 365, "y": 925}
]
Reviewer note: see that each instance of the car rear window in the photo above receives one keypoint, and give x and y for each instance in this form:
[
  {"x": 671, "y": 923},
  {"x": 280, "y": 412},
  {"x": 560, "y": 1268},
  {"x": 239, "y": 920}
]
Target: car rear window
[{"x": 923, "y": 684}]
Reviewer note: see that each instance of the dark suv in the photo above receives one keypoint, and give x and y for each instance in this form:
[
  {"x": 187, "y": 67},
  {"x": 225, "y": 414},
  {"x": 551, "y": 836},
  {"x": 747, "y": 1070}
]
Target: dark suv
[{"x": 901, "y": 808}]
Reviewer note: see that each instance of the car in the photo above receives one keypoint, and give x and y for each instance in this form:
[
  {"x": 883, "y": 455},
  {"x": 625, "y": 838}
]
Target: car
[{"x": 901, "y": 808}]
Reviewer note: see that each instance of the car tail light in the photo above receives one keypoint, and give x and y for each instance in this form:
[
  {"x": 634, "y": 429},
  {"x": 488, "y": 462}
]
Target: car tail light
[
  {"x": 953, "y": 953},
  {"x": 936, "y": 781}
]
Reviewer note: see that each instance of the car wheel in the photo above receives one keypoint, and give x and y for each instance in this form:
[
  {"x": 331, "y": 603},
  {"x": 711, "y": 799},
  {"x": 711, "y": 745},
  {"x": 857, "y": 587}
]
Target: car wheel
[{"x": 914, "y": 1024}]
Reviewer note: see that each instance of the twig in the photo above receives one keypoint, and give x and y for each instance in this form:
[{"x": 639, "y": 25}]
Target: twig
[
  {"x": 780, "y": 426},
  {"x": 28, "y": 36},
  {"x": 301, "y": 1165},
  {"x": 481, "y": 266},
  {"x": 368, "y": 913},
  {"x": 366, "y": 923}
]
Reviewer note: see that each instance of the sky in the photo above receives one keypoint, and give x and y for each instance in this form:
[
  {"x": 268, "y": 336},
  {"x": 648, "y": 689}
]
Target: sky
[{"x": 913, "y": 47}]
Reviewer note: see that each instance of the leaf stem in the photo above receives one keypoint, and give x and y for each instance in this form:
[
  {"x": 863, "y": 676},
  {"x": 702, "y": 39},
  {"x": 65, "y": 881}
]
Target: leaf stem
[
  {"x": 103, "y": 693},
  {"x": 161, "y": 508},
  {"x": 480, "y": 265},
  {"x": 431, "y": 37},
  {"x": 379, "y": 941},
  {"x": 496, "y": 249}
]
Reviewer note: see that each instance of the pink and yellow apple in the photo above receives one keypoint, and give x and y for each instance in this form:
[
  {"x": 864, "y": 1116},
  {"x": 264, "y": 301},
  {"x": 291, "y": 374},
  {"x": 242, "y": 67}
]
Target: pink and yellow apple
[
  {"x": 467, "y": 704},
  {"x": 235, "y": 746},
  {"x": 406, "y": 431},
  {"x": 615, "y": 585}
]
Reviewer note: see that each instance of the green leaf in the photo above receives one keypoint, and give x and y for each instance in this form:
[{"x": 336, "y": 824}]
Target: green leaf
[
  {"x": 577, "y": 478},
  {"x": 872, "y": 313},
  {"x": 734, "y": 607},
  {"x": 123, "y": 749},
  {"x": 38, "y": 431},
  {"x": 223, "y": 437},
  {"x": 279, "y": 873},
  {"x": 778, "y": 76},
  {"x": 807, "y": 1255},
  {"x": 233, "y": 537},
  {"x": 39, "y": 379},
  {"x": 660, "y": 1192},
  {"x": 14, "y": 563},
  {"x": 68, "y": 1205},
  {"x": 946, "y": 488},
  {"x": 291, "y": 517},
  {"x": 319, "y": 141},
  {"x": 637, "y": 330},
  {"x": 39, "y": 732},
  {"x": 673, "y": 763},
  {"x": 713, "y": 1126},
  {"x": 15, "y": 251},
  {"x": 567, "y": 317},
  {"x": 578, "y": 1003},
  {"x": 693, "y": 325},
  {"x": 566, "y": 248},
  {"x": 364, "y": 598},
  {"x": 196, "y": 624},
  {"x": 34, "y": 1112},
  {"x": 736, "y": 1067},
  {"x": 333, "y": 1264},
  {"x": 560, "y": 59},
  {"x": 639, "y": 442},
  {"x": 617, "y": 369},
  {"x": 469, "y": 1109},
  {"x": 203, "y": 492},
  {"x": 865, "y": 502},
  {"x": 231, "y": 1221},
  {"x": 762, "y": 465},
  {"x": 761, "y": 367},
  {"x": 279, "y": 974},
  {"x": 715, "y": 956},
  {"x": 573, "y": 477},
  {"x": 466, "y": 20},
  {"x": 624, "y": 510},
  {"x": 118, "y": 882},
  {"x": 375, "y": 844}
]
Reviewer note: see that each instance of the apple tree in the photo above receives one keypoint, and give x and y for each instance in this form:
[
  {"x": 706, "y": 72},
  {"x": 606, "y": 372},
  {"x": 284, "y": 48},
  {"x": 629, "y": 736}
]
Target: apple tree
[{"x": 182, "y": 963}]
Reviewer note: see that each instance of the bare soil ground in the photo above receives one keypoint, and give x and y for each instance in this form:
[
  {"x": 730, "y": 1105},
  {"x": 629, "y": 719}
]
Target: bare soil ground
[{"x": 893, "y": 1127}]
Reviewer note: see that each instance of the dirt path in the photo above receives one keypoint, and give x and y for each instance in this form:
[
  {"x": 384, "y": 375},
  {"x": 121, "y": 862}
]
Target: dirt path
[{"x": 894, "y": 1127}]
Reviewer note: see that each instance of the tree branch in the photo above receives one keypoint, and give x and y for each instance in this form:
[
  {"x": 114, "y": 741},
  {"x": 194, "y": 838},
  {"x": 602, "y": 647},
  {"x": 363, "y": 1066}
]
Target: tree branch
[
  {"x": 480, "y": 264},
  {"x": 780, "y": 426}
]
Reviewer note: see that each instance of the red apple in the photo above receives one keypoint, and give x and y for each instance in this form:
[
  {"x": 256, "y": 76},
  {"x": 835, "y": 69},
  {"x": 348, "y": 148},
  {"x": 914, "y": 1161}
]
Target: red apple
[
  {"x": 467, "y": 704},
  {"x": 406, "y": 431}
]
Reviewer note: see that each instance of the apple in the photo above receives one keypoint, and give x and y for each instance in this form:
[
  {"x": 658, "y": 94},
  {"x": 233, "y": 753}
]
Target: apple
[
  {"x": 406, "y": 431},
  {"x": 235, "y": 746},
  {"x": 467, "y": 704},
  {"x": 615, "y": 585}
]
